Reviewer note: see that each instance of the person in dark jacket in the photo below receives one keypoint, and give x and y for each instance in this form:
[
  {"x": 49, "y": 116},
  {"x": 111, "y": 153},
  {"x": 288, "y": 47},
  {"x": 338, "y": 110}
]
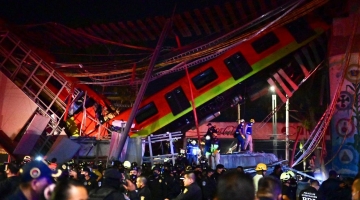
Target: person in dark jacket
[
  {"x": 220, "y": 168},
  {"x": 192, "y": 190},
  {"x": 208, "y": 185},
  {"x": 88, "y": 180},
  {"x": 9, "y": 185},
  {"x": 112, "y": 187},
  {"x": 269, "y": 188},
  {"x": 172, "y": 181},
  {"x": 235, "y": 185},
  {"x": 143, "y": 189},
  {"x": 240, "y": 136},
  {"x": 329, "y": 187},
  {"x": 157, "y": 185},
  {"x": 35, "y": 176},
  {"x": 69, "y": 189},
  {"x": 277, "y": 172},
  {"x": 311, "y": 192}
]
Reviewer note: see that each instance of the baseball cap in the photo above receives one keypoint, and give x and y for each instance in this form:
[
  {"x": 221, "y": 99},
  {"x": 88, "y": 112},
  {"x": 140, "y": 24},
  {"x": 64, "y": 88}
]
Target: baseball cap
[
  {"x": 37, "y": 169},
  {"x": 156, "y": 168},
  {"x": 86, "y": 169},
  {"x": 134, "y": 168},
  {"x": 112, "y": 173}
]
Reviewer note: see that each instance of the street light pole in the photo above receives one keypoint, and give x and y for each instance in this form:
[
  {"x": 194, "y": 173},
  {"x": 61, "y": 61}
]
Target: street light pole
[
  {"x": 287, "y": 129},
  {"x": 238, "y": 113},
  {"x": 274, "y": 119}
]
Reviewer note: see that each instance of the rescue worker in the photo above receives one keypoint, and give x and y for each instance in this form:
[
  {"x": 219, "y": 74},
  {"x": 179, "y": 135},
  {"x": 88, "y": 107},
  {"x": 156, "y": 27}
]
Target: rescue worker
[
  {"x": 208, "y": 185},
  {"x": 311, "y": 192},
  {"x": 133, "y": 174},
  {"x": 293, "y": 184},
  {"x": 260, "y": 172},
  {"x": 172, "y": 182},
  {"x": 113, "y": 187},
  {"x": 329, "y": 187},
  {"x": 208, "y": 137},
  {"x": 192, "y": 191},
  {"x": 157, "y": 185},
  {"x": 240, "y": 136},
  {"x": 249, "y": 132},
  {"x": 192, "y": 152},
  {"x": 143, "y": 189},
  {"x": 211, "y": 129},
  {"x": 213, "y": 154},
  {"x": 219, "y": 171},
  {"x": 286, "y": 191},
  {"x": 87, "y": 179}
]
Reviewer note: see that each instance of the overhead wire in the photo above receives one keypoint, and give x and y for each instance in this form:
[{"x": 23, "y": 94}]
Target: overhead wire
[
  {"x": 221, "y": 48},
  {"x": 93, "y": 37}
]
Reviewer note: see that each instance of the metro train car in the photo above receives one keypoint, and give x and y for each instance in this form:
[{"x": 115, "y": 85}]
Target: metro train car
[{"x": 219, "y": 75}]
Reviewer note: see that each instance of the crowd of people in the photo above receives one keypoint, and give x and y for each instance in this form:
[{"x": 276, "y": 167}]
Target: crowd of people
[{"x": 38, "y": 179}]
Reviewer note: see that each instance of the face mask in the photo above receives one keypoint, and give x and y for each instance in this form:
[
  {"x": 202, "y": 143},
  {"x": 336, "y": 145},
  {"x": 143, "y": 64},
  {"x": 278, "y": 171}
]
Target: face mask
[
  {"x": 133, "y": 177},
  {"x": 81, "y": 176}
]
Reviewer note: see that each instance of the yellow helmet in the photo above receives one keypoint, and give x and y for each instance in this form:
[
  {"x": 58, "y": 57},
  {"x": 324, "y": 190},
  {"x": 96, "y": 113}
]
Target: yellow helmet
[
  {"x": 252, "y": 120},
  {"x": 260, "y": 166}
]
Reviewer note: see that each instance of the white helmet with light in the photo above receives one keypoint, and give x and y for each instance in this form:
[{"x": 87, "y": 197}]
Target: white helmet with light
[
  {"x": 285, "y": 176},
  {"x": 127, "y": 164},
  {"x": 291, "y": 173}
]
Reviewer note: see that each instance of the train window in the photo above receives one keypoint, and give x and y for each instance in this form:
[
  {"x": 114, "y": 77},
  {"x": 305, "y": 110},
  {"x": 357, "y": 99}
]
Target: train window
[
  {"x": 237, "y": 65},
  {"x": 300, "y": 30},
  {"x": 265, "y": 42},
  {"x": 177, "y": 100},
  {"x": 204, "y": 78},
  {"x": 146, "y": 112}
]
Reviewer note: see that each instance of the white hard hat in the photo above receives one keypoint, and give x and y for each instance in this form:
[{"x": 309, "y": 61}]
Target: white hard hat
[
  {"x": 285, "y": 176},
  {"x": 127, "y": 164}
]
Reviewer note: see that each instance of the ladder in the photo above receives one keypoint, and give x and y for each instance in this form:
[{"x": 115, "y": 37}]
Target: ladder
[{"x": 37, "y": 79}]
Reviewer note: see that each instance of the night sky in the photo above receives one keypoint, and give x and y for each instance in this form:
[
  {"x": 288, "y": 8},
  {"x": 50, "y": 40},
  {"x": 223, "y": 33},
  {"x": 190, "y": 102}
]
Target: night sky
[{"x": 76, "y": 13}]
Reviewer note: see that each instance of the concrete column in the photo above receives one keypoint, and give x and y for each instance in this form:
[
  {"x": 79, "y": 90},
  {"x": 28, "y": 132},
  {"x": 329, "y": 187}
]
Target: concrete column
[{"x": 134, "y": 150}]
